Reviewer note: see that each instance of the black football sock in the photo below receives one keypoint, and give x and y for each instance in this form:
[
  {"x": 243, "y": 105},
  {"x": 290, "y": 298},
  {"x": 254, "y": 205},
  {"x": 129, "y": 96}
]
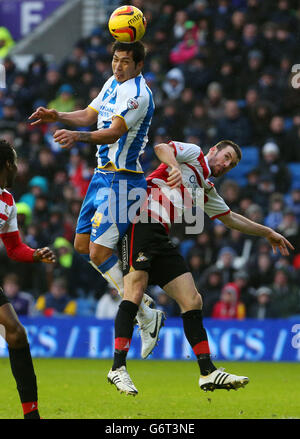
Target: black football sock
[
  {"x": 23, "y": 372},
  {"x": 124, "y": 325},
  {"x": 197, "y": 337}
]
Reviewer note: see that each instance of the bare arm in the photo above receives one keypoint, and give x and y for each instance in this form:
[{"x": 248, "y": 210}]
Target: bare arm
[
  {"x": 165, "y": 154},
  {"x": 80, "y": 118},
  {"x": 99, "y": 137},
  {"x": 244, "y": 225}
]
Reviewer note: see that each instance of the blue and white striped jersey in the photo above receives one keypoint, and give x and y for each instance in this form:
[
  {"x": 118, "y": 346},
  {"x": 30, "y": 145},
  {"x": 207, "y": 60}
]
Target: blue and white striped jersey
[{"x": 132, "y": 100}]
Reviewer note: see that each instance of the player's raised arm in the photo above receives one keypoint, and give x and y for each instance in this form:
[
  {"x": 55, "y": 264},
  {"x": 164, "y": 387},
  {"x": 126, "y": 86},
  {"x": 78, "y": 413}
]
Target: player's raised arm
[
  {"x": 67, "y": 138},
  {"x": 244, "y": 225},
  {"x": 80, "y": 118},
  {"x": 165, "y": 154}
]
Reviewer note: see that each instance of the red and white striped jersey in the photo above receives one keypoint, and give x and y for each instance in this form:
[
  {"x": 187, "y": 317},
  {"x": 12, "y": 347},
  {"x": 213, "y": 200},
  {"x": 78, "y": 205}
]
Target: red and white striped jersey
[
  {"x": 8, "y": 213},
  {"x": 166, "y": 205}
]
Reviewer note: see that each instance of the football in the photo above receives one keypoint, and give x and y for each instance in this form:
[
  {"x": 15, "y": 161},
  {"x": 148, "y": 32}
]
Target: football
[{"x": 127, "y": 24}]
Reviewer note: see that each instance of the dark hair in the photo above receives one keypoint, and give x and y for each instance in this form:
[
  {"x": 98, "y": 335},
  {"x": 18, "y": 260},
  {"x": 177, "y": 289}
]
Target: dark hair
[
  {"x": 224, "y": 143},
  {"x": 6, "y": 153},
  {"x": 137, "y": 48}
]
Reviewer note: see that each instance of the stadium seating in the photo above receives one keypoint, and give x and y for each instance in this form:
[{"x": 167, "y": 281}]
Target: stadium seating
[
  {"x": 294, "y": 168},
  {"x": 250, "y": 160}
]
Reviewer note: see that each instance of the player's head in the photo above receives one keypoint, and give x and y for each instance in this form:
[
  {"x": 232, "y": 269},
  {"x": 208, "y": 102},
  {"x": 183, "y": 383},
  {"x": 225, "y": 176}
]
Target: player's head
[
  {"x": 8, "y": 164},
  {"x": 127, "y": 60},
  {"x": 223, "y": 156}
]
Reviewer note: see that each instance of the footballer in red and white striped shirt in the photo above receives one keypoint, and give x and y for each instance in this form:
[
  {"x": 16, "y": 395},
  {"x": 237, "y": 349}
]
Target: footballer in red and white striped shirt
[{"x": 10, "y": 326}]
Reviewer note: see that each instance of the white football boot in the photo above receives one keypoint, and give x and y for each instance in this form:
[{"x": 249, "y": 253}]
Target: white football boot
[
  {"x": 121, "y": 379},
  {"x": 219, "y": 379},
  {"x": 150, "y": 331}
]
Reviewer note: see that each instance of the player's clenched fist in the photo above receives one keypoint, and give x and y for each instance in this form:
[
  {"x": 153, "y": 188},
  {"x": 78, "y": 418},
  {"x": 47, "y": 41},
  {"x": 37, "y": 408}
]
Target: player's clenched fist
[
  {"x": 175, "y": 177},
  {"x": 43, "y": 115},
  {"x": 44, "y": 255}
]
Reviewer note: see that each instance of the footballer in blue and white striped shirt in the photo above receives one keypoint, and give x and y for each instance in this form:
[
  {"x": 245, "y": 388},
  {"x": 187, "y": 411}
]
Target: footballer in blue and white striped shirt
[{"x": 123, "y": 111}]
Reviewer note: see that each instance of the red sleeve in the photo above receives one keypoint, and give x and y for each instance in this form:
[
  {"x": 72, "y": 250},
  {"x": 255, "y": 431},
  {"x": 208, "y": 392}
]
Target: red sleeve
[{"x": 16, "y": 249}]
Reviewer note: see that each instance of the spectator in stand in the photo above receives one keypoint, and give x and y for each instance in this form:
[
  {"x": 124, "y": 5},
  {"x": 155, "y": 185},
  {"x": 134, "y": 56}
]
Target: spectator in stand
[
  {"x": 226, "y": 78},
  {"x": 48, "y": 88},
  {"x": 10, "y": 116},
  {"x": 221, "y": 12},
  {"x": 273, "y": 166},
  {"x": 285, "y": 294},
  {"x": 277, "y": 133},
  {"x": 229, "y": 306},
  {"x": 219, "y": 235},
  {"x": 64, "y": 101},
  {"x": 23, "y": 302},
  {"x": 289, "y": 227},
  {"x": 37, "y": 185},
  {"x": 215, "y": 103},
  {"x": 261, "y": 270},
  {"x": 196, "y": 264},
  {"x": 246, "y": 292},
  {"x": 285, "y": 42},
  {"x": 275, "y": 211},
  {"x": 238, "y": 21},
  {"x": 187, "y": 49},
  {"x": 6, "y": 42},
  {"x": 173, "y": 84},
  {"x": 210, "y": 287},
  {"x": 252, "y": 71},
  {"x": 218, "y": 44},
  {"x": 57, "y": 301},
  {"x": 225, "y": 262},
  {"x": 284, "y": 14},
  {"x": 234, "y": 125},
  {"x": 45, "y": 164},
  {"x": 293, "y": 200},
  {"x": 265, "y": 189},
  {"x": 179, "y": 28},
  {"x": 262, "y": 308},
  {"x": 251, "y": 101},
  {"x": 21, "y": 93},
  {"x": 260, "y": 119},
  {"x": 292, "y": 145},
  {"x": 198, "y": 73},
  {"x": 199, "y": 119},
  {"x": 230, "y": 191},
  {"x": 233, "y": 51},
  {"x": 108, "y": 305},
  {"x": 250, "y": 189},
  {"x": 268, "y": 88}
]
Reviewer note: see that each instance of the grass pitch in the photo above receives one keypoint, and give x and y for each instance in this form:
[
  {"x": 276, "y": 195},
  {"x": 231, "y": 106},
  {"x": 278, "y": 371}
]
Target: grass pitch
[{"x": 78, "y": 389}]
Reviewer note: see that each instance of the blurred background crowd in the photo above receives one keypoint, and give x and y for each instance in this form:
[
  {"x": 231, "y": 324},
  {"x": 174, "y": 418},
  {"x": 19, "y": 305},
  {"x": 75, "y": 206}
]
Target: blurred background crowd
[{"x": 218, "y": 70}]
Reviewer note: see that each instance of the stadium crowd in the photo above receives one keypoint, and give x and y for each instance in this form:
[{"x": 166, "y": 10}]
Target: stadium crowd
[{"x": 218, "y": 70}]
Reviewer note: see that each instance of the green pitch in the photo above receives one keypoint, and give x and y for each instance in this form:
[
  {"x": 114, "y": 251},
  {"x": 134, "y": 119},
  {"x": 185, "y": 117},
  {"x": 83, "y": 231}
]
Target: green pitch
[{"x": 78, "y": 389}]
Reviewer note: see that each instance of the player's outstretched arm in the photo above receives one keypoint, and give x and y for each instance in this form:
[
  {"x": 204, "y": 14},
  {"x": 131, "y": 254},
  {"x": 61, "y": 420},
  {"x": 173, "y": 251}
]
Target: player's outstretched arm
[
  {"x": 19, "y": 251},
  {"x": 80, "y": 118},
  {"x": 67, "y": 138},
  {"x": 244, "y": 225}
]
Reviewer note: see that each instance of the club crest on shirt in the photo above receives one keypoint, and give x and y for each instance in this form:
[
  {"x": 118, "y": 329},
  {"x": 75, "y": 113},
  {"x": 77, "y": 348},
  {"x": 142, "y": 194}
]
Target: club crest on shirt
[
  {"x": 132, "y": 104},
  {"x": 141, "y": 257}
]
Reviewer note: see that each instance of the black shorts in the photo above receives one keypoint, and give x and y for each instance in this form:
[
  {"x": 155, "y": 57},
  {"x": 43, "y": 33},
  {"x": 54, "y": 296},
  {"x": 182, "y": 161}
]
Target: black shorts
[
  {"x": 3, "y": 298},
  {"x": 147, "y": 247}
]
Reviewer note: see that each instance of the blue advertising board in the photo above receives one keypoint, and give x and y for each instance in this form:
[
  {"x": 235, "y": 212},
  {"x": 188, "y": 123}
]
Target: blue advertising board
[
  {"x": 22, "y": 16},
  {"x": 232, "y": 340}
]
